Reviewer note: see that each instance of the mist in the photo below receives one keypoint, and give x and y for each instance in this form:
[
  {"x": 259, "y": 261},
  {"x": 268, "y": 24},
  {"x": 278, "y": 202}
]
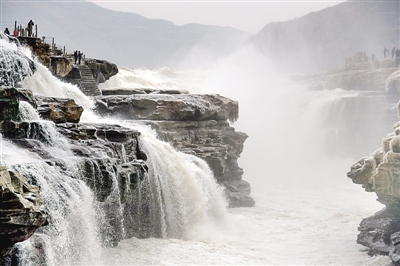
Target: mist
[{"x": 301, "y": 144}]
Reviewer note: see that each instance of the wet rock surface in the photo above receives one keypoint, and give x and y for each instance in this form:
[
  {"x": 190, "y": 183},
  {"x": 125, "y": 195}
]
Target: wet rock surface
[
  {"x": 21, "y": 210},
  {"x": 379, "y": 172},
  {"x": 58, "y": 110},
  {"x": 193, "y": 124},
  {"x": 165, "y": 107}
]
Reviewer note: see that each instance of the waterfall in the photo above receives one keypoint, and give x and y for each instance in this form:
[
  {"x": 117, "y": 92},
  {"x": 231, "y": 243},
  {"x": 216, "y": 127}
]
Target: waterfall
[
  {"x": 72, "y": 236},
  {"x": 177, "y": 198},
  {"x": 15, "y": 64},
  {"x": 179, "y": 193}
]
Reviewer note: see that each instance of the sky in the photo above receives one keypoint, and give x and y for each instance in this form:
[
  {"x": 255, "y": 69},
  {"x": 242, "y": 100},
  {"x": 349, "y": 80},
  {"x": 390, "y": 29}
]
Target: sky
[{"x": 250, "y": 16}]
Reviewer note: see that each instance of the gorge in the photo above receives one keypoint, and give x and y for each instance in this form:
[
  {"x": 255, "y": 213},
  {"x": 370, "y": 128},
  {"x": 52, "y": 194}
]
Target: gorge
[{"x": 92, "y": 161}]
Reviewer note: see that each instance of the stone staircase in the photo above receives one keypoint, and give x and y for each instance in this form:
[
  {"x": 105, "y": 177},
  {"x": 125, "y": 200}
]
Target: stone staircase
[{"x": 87, "y": 83}]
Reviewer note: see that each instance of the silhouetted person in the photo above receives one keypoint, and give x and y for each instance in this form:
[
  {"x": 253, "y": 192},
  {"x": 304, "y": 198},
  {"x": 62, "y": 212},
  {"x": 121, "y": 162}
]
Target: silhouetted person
[
  {"x": 75, "y": 56},
  {"x": 79, "y": 57},
  {"x": 6, "y": 31},
  {"x": 393, "y": 51},
  {"x": 30, "y": 27},
  {"x": 385, "y": 51}
]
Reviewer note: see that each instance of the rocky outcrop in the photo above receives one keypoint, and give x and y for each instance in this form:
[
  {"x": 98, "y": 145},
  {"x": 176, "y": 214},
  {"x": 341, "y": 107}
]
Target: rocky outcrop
[
  {"x": 58, "y": 110},
  {"x": 380, "y": 173},
  {"x": 194, "y": 124},
  {"x": 102, "y": 70},
  {"x": 86, "y": 76},
  {"x": 39, "y": 48},
  {"x": 60, "y": 66},
  {"x": 110, "y": 158},
  {"x": 129, "y": 91},
  {"x": 166, "y": 107},
  {"x": 21, "y": 210}
]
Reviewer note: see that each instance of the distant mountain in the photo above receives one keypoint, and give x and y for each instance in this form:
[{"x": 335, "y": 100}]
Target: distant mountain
[
  {"x": 124, "y": 38},
  {"x": 322, "y": 40}
]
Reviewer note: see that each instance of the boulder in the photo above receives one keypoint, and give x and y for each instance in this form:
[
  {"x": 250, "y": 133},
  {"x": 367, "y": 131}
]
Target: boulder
[
  {"x": 21, "y": 210},
  {"x": 102, "y": 70},
  {"x": 59, "y": 110},
  {"x": 60, "y": 66}
]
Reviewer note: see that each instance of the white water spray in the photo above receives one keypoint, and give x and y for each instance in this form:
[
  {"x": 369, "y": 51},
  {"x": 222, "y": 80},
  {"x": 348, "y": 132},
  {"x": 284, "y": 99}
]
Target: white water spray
[{"x": 185, "y": 192}]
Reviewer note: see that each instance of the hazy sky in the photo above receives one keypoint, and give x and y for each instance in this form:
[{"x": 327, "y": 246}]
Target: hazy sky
[{"x": 248, "y": 16}]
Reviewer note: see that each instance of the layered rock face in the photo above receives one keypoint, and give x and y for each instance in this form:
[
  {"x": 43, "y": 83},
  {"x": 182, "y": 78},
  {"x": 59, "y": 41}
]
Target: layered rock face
[
  {"x": 21, "y": 210},
  {"x": 380, "y": 173},
  {"x": 194, "y": 124},
  {"x": 108, "y": 157}
]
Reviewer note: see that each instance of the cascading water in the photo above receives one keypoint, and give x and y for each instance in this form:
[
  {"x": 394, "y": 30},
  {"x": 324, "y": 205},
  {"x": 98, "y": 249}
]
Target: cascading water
[
  {"x": 72, "y": 236},
  {"x": 178, "y": 195},
  {"x": 15, "y": 64}
]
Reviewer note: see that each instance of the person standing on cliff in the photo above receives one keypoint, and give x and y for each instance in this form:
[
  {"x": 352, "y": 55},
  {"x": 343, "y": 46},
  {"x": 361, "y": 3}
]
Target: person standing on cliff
[
  {"x": 385, "y": 51},
  {"x": 75, "y": 55},
  {"x": 30, "y": 28},
  {"x": 79, "y": 57}
]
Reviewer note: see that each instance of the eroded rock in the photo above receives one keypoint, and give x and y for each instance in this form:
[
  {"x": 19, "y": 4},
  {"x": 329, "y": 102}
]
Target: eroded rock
[
  {"x": 165, "y": 107},
  {"x": 21, "y": 210},
  {"x": 59, "y": 110}
]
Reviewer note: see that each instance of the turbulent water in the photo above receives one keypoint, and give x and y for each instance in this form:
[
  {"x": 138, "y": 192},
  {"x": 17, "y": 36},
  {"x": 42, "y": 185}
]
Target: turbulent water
[
  {"x": 307, "y": 210},
  {"x": 301, "y": 145}
]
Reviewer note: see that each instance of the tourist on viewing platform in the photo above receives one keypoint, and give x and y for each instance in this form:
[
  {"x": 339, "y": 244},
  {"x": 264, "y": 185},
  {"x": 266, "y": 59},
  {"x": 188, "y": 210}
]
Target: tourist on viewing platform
[
  {"x": 79, "y": 57},
  {"x": 393, "y": 51},
  {"x": 6, "y": 31},
  {"x": 15, "y": 32},
  {"x": 75, "y": 56},
  {"x": 30, "y": 27},
  {"x": 385, "y": 51}
]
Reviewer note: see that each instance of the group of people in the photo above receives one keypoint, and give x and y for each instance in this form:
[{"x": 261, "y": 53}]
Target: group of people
[
  {"x": 361, "y": 57},
  {"x": 20, "y": 31},
  {"x": 395, "y": 54},
  {"x": 78, "y": 56}
]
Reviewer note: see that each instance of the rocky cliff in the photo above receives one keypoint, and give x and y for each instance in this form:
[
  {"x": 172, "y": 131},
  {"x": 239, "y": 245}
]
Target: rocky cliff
[
  {"x": 194, "y": 124},
  {"x": 108, "y": 156},
  {"x": 379, "y": 173}
]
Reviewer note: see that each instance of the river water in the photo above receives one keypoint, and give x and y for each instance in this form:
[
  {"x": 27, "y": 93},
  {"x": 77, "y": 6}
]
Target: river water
[{"x": 301, "y": 145}]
